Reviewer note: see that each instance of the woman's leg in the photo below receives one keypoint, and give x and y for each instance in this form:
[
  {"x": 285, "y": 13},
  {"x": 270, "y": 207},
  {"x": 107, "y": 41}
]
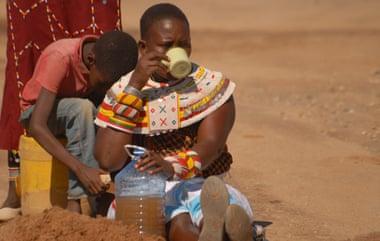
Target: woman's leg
[{"x": 181, "y": 228}]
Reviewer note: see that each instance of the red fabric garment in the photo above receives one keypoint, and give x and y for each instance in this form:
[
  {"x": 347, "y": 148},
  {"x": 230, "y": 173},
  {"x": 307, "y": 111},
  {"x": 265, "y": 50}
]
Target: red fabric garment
[{"x": 32, "y": 25}]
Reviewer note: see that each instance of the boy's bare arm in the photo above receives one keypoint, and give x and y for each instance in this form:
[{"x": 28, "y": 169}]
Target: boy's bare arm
[
  {"x": 38, "y": 128},
  {"x": 213, "y": 133},
  {"x": 109, "y": 148}
]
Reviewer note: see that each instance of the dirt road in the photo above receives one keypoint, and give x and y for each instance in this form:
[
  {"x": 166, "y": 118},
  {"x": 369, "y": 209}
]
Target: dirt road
[{"x": 306, "y": 141}]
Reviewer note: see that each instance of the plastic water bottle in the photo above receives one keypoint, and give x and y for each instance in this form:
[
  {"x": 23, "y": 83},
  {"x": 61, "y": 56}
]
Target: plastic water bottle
[{"x": 140, "y": 196}]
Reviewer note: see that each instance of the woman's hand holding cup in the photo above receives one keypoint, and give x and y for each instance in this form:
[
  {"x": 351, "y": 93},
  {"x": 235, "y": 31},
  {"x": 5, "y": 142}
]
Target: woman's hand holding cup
[{"x": 146, "y": 66}]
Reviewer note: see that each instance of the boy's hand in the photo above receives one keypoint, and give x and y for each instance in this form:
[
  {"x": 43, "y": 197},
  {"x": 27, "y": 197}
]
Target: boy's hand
[
  {"x": 146, "y": 66},
  {"x": 90, "y": 178},
  {"x": 154, "y": 163}
]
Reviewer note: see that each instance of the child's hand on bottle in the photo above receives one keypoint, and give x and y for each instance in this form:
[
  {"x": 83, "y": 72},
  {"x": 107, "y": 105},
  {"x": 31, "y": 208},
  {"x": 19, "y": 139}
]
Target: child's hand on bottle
[{"x": 154, "y": 163}]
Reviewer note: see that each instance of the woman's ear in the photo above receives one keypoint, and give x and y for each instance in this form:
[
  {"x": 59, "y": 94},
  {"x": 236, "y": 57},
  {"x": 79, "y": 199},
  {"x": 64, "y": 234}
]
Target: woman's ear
[{"x": 142, "y": 47}]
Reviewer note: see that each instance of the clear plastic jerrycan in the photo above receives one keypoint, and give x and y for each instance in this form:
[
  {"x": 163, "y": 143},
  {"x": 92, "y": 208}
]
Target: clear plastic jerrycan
[{"x": 140, "y": 196}]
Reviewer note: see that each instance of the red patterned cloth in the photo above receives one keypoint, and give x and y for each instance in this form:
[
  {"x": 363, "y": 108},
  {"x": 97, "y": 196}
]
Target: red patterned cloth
[{"x": 32, "y": 25}]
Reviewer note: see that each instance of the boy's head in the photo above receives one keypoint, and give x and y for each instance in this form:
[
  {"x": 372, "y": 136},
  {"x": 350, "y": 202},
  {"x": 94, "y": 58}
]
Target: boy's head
[
  {"x": 115, "y": 54},
  {"x": 163, "y": 26}
]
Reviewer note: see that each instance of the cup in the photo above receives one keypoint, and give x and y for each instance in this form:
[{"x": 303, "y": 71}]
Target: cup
[{"x": 179, "y": 65}]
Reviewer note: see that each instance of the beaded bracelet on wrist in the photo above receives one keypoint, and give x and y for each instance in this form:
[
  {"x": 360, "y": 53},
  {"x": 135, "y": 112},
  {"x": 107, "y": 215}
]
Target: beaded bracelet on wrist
[
  {"x": 133, "y": 91},
  {"x": 130, "y": 100},
  {"x": 186, "y": 164},
  {"x": 120, "y": 121},
  {"x": 126, "y": 111}
]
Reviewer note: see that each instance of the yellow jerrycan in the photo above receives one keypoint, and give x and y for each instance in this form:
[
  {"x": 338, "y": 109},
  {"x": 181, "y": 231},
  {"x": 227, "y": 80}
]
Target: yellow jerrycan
[{"x": 43, "y": 179}]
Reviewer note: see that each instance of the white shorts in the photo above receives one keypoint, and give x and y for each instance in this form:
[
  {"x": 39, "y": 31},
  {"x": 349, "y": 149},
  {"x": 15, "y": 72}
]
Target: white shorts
[{"x": 184, "y": 197}]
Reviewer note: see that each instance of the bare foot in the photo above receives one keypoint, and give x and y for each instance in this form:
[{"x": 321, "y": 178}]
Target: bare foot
[
  {"x": 237, "y": 224},
  {"x": 214, "y": 202}
]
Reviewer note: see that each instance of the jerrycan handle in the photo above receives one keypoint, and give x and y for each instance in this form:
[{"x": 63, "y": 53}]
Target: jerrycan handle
[{"x": 135, "y": 152}]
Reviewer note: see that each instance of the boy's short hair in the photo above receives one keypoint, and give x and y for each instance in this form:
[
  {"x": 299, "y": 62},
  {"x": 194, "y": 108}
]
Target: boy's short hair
[
  {"x": 115, "y": 54},
  {"x": 158, "y": 12}
]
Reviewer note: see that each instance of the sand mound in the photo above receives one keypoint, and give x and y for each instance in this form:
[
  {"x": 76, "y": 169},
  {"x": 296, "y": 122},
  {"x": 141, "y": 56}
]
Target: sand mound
[{"x": 60, "y": 225}]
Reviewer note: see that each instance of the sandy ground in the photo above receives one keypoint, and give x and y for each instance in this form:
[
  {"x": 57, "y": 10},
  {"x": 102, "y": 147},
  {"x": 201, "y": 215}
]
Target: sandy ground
[{"x": 307, "y": 137}]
